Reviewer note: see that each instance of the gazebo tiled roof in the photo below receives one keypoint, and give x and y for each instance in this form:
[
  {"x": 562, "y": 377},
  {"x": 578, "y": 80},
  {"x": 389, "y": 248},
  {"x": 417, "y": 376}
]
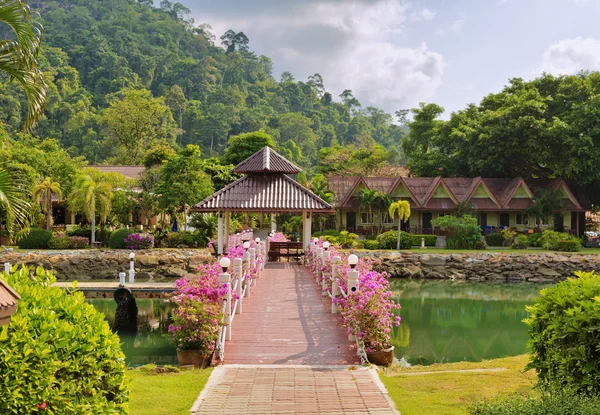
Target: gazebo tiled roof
[
  {"x": 267, "y": 160},
  {"x": 8, "y": 302},
  {"x": 266, "y": 187}
]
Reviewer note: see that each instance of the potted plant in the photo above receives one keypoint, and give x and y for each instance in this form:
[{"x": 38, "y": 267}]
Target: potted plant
[
  {"x": 197, "y": 319},
  {"x": 369, "y": 315}
]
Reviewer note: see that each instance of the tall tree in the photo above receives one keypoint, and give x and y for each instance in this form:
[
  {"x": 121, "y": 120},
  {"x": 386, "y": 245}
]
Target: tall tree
[
  {"x": 182, "y": 182},
  {"x": 92, "y": 197},
  {"x": 18, "y": 57},
  {"x": 244, "y": 145},
  {"x": 136, "y": 121},
  {"x": 43, "y": 193}
]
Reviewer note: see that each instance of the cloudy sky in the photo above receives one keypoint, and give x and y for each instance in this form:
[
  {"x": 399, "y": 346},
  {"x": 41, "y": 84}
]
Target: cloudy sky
[{"x": 394, "y": 54}]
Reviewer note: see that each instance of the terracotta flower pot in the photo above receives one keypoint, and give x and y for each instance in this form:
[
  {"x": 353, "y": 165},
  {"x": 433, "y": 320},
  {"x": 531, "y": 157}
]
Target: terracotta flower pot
[
  {"x": 198, "y": 358},
  {"x": 381, "y": 357}
]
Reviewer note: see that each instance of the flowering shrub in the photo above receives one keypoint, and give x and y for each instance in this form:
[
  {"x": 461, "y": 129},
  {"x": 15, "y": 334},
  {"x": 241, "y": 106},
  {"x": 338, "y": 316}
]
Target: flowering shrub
[
  {"x": 139, "y": 241},
  {"x": 367, "y": 313},
  {"x": 78, "y": 242},
  {"x": 278, "y": 237}
]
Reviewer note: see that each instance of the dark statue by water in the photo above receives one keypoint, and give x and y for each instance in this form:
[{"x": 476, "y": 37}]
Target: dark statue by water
[{"x": 126, "y": 314}]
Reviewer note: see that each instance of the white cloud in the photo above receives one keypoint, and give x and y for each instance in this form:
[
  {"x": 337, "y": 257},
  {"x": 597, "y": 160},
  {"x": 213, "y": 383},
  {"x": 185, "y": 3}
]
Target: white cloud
[
  {"x": 456, "y": 26},
  {"x": 571, "y": 55},
  {"x": 424, "y": 14},
  {"x": 353, "y": 44}
]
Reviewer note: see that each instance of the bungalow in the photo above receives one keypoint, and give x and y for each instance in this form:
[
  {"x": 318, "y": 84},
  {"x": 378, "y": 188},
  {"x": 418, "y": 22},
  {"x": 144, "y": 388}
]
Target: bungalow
[{"x": 497, "y": 203}]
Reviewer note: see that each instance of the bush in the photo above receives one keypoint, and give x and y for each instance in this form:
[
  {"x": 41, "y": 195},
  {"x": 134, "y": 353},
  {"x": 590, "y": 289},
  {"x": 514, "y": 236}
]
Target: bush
[
  {"x": 58, "y": 354},
  {"x": 389, "y": 240},
  {"x": 564, "y": 335},
  {"x": 534, "y": 239},
  {"x": 37, "y": 239},
  {"x": 557, "y": 403},
  {"x": 78, "y": 242},
  {"x": 59, "y": 242},
  {"x": 102, "y": 235},
  {"x": 370, "y": 244},
  {"x": 331, "y": 239},
  {"x": 328, "y": 232},
  {"x": 495, "y": 239},
  {"x": 139, "y": 241},
  {"x": 186, "y": 239},
  {"x": 463, "y": 232},
  {"x": 558, "y": 241},
  {"x": 430, "y": 240},
  {"x": 520, "y": 242},
  {"x": 345, "y": 239},
  {"x": 117, "y": 238}
]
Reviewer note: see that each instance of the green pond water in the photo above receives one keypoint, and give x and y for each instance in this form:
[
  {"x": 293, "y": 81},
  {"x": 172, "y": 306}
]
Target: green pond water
[
  {"x": 445, "y": 321},
  {"x": 442, "y": 321}
]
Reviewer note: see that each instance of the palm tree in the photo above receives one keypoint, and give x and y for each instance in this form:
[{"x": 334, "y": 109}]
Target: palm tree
[
  {"x": 18, "y": 57},
  {"x": 13, "y": 201},
  {"x": 42, "y": 193},
  {"x": 92, "y": 198},
  {"x": 402, "y": 209},
  {"x": 382, "y": 202},
  {"x": 367, "y": 198},
  {"x": 546, "y": 204}
]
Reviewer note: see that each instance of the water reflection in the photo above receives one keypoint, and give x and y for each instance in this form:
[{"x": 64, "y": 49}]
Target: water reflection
[
  {"x": 150, "y": 345},
  {"x": 446, "y": 321}
]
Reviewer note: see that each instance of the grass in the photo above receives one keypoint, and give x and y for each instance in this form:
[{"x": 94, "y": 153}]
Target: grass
[
  {"x": 165, "y": 393},
  {"x": 450, "y": 393}
]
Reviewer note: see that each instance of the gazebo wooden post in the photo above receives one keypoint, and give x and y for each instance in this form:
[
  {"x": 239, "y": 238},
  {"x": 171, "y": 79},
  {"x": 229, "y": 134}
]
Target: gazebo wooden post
[
  {"x": 220, "y": 234},
  {"x": 227, "y": 229},
  {"x": 273, "y": 222},
  {"x": 306, "y": 228}
]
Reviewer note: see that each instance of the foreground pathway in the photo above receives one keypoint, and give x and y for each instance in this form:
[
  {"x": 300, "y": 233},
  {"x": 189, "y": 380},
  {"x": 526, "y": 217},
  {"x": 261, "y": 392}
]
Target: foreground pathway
[
  {"x": 289, "y": 356},
  {"x": 284, "y": 389},
  {"x": 287, "y": 321}
]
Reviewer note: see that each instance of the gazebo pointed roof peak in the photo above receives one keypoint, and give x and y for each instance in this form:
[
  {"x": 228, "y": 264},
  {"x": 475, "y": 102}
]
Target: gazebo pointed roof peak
[{"x": 267, "y": 160}]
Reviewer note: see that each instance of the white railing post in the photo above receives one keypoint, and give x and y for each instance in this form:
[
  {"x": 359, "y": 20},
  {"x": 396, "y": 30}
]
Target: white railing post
[
  {"x": 246, "y": 271},
  {"x": 252, "y": 252},
  {"x": 352, "y": 289},
  {"x": 225, "y": 279},
  {"x": 263, "y": 247},
  {"x": 319, "y": 262},
  {"x": 237, "y": 274},
  {"x": 323, "y": 273},
  {"x": 335, "y": 286},
  {"x": 121, "y": 279},
  {"x": 131, "y": 268},
  {"x": 7, "y": 268}
]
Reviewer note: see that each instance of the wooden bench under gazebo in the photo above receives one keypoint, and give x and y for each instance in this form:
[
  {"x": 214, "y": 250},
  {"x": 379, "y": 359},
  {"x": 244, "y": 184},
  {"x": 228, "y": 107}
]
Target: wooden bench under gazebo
[{"x": 266, "y": 187}]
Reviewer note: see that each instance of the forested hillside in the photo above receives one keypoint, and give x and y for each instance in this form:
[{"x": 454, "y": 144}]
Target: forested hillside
[{"x": 125, "y": 75}]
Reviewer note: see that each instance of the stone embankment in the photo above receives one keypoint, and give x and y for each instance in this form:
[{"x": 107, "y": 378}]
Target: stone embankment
[
  {"x": 93, "y": 264},
  {"x": 542, "y": 267}
]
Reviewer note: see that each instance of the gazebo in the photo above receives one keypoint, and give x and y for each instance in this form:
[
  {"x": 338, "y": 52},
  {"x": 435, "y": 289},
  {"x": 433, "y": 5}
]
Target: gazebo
[
  {"x": 8, "y": 302},
  {"x": 264, "y": 188}
]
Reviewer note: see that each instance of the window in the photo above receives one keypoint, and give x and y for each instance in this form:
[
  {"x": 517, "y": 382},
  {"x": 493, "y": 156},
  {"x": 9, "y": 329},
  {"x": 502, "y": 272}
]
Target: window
[
  {"x": 522, "y": 219},
  {"x": 386, "y": 219},
  {"x": 366, "y": 218}
]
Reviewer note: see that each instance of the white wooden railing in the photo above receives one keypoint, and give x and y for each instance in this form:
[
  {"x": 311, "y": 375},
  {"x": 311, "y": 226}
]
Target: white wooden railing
[
  {"x": 332, "y": 282},
  {"x": 245, "y": 273}
]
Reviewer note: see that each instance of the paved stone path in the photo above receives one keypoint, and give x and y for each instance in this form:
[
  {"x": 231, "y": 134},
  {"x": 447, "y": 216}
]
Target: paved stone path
[
  {"x": 241, "y": 389},
  {"x": 289, "y": 356}
]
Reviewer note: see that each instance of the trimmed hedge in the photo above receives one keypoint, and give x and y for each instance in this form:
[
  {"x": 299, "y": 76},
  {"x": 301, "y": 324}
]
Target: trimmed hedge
[
  {"x": 564, "y": 334},
  {"x": 187, "y": 239},
  {"x": 58, "y": 355},
  {"x": 560, "y": 402},
  {"x": 370, "y": 244},
  {"x": 430, "y": 240},
  {"x": 62, "y": 242},
  {"x": 117, "y": 238},
  {"x": 495, "y": 239},
  {"x": 36, "y": 239},
  {"x": 389, "y": 240}
]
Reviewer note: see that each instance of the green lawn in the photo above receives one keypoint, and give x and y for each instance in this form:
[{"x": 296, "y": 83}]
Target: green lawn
[
  {"x": 165, "y": 393},
  {"x": 450, "y": 393}
]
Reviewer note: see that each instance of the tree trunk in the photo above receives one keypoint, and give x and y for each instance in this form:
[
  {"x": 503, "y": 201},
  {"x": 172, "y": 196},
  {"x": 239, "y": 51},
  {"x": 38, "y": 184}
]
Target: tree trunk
[
  {"x": 399, "y": 233},
  {"x": 93, "y": 220},
  {"x": 49, "y": 210},
  {"x": 185, "y": 218}
]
